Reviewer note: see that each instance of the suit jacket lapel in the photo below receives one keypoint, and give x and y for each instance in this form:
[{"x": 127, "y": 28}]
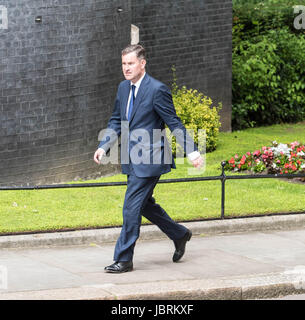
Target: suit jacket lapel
[{"x": 140, "y": 94}]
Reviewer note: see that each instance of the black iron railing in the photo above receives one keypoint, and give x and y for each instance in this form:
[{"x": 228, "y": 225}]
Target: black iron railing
[{"x": 222, "y": 177}]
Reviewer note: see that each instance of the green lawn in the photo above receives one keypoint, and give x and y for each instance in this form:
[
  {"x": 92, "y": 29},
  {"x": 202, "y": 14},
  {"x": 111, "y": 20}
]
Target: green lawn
[{"x": 94, "y": 207}]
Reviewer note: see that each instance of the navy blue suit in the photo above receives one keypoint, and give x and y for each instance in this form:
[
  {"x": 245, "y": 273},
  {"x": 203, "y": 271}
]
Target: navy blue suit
[{"x": 153, "y": 108}]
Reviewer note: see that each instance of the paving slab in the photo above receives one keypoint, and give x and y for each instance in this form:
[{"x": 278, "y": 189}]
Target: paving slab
[{"x": 234, "y": 265}]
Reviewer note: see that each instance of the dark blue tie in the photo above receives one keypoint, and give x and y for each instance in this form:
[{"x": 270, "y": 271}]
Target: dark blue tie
[{"x": 132, "y": 99}]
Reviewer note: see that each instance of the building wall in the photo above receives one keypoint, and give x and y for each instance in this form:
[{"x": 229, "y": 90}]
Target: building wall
[
  {"x": 58, "y": 81},
  {"x": 196, "y": 37},
  {"x": 58, "y": 77}
]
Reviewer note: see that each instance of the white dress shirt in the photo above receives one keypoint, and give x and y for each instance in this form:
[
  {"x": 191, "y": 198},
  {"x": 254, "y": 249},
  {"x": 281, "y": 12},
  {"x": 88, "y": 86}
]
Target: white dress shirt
[{"x": 137, "y": 84}]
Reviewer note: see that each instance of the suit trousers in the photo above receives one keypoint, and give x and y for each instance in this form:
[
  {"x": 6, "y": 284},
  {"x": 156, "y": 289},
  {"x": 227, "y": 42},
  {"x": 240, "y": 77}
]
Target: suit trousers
[{"x": 139, "y": 202}]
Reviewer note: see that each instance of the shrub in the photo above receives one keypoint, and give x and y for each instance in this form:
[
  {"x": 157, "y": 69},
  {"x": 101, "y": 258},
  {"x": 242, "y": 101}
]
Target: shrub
[
  {"x": 196, "y": 112},
  {"x": 268, "y": 77},
  {"x": 252, "y": 18},
  {"x": 268, "y": 80}
]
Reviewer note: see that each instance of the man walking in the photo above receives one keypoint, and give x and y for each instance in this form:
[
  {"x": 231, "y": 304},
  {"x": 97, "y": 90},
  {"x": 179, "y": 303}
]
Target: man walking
[{"x": 144, "y": 103}]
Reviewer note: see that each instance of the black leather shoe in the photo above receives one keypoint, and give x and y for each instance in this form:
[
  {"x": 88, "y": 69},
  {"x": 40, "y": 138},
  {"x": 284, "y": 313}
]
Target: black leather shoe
[
  {"x": 119, "y": 267},
  {"x": 180, "y": 246}
]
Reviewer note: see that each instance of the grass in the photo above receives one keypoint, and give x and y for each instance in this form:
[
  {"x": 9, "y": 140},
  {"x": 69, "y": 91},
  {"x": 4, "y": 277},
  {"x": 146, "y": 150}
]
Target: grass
[{"x": 54, "y": 209}]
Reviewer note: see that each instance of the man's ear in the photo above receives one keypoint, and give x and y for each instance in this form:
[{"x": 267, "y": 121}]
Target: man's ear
[{"x": 143, "y": 63}]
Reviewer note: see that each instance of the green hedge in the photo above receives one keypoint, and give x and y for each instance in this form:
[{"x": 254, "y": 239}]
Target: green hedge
[
  {"x": 253, "y": 17},
  {"x": 268, "y": 78}
]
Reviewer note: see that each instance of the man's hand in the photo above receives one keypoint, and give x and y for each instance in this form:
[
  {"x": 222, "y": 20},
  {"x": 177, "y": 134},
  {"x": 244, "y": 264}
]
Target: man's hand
[
  {"x": 198, "y": 162},
  {"x": 98, "y": 155}
]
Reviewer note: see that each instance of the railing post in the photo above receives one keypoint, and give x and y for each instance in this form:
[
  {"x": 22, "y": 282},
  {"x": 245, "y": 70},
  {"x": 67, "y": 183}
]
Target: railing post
[{"x": 223, "y": 181}]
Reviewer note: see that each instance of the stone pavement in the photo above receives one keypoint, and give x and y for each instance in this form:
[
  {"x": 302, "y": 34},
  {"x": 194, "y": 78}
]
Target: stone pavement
[{"x": 244, "y": 258}]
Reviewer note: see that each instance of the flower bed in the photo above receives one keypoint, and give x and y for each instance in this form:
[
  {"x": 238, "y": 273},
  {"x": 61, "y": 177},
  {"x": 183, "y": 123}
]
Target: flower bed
[{"x": 279, "y": 158}]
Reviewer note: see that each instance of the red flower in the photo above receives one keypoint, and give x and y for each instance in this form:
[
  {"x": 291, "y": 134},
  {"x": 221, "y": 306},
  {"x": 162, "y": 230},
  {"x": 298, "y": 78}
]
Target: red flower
[
  {"x": 231, "y": 161},
  {"x": 243, "y": 159}
]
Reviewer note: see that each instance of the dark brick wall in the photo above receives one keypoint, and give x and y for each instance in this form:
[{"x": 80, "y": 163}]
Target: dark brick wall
[
  {"x": 58, "y": 81},
  {"x": 58, "y": 78},
  {"x": 196, "y": 37}
]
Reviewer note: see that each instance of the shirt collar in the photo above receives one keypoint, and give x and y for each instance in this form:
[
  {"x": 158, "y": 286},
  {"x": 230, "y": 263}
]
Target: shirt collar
[{"x": 138, "y": 83}]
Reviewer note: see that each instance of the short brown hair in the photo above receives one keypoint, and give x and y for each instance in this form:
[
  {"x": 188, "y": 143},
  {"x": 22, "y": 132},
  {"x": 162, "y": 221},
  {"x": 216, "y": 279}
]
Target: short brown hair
[{"x": 138, "y": 49}]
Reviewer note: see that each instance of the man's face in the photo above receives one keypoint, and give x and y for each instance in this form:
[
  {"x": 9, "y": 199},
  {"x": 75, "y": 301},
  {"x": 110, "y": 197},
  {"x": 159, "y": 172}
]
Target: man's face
[{"x": 133, "y": 67}]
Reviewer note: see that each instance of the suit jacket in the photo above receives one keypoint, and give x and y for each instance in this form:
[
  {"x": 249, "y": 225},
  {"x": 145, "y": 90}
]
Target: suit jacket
[{"x": 144, "y": 149}]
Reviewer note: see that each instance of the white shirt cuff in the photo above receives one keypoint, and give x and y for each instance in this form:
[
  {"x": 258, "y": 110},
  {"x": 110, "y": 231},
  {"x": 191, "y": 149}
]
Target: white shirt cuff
[{"x": 193, "y": 155}]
